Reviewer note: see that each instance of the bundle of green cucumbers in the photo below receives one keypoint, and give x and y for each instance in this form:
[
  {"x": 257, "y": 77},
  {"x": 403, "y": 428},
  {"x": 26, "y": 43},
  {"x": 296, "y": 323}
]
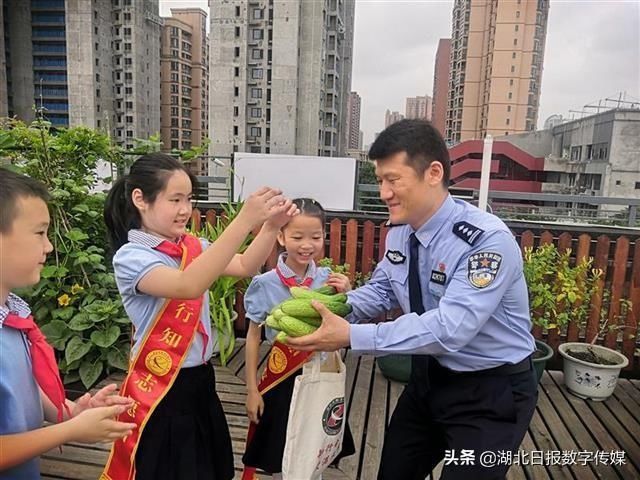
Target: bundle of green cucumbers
[{"x": 296, "y": 316}]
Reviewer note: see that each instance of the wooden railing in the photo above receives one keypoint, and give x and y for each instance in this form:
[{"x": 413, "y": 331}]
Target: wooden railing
[{"x": 359, "y": 240}]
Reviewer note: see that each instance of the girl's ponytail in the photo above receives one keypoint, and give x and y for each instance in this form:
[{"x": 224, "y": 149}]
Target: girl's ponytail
[
  {"x": 120, "y": 215},
  {"x": 150, "y": 174}
]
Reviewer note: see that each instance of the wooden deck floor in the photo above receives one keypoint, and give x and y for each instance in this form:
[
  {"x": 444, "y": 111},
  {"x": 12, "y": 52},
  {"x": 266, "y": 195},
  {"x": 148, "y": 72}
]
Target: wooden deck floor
[{"x": 561, "y": 423}]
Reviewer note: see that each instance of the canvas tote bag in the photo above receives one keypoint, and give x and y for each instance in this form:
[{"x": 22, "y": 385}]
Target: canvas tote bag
[{"x": 316, "y": 418}]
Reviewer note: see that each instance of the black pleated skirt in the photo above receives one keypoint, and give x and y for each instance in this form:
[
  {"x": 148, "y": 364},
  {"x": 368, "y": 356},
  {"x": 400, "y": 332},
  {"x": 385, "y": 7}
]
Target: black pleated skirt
[
  {"x": 267, "y": 446},
  {"x": 187, "y": 435}
]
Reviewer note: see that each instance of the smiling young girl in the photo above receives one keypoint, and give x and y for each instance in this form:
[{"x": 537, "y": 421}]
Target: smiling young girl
[
  {"x": 163, "y": 275},
  {"x": 268, "y": 403}
]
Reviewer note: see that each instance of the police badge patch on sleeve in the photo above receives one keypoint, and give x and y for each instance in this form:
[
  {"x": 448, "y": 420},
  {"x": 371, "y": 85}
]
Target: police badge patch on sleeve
[
  {"x": 395, "y": 257},
  {"x": 482, "y": 268}
]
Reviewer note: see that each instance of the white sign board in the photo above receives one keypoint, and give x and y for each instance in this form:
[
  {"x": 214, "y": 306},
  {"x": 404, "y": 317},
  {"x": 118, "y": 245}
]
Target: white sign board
[{"x": 329, "y": 180}]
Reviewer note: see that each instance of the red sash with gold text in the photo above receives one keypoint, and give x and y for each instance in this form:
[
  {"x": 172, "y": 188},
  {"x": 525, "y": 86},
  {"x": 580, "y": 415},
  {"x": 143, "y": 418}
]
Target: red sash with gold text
[
  {"x": 283, "y": 362},
  {"x": 156, "y": 364}
]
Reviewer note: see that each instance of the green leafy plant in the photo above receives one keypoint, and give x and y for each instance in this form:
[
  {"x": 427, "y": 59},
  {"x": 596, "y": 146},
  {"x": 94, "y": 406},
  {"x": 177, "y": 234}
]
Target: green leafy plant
[
  {"x": 222, "y": 294},
  {"x": 359, "y": 278},
  {"x": 76, "y": 302},
  {"x": 611, "y": 322},
  {"x": 559, "y": 289}
]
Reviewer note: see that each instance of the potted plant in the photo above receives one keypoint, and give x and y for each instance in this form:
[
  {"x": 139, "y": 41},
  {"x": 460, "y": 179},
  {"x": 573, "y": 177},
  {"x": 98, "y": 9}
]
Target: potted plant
[
  {"x": 591, "y": 371},
  {"x": 222, "y": 294},
  {"x": 559, "y": 292}
]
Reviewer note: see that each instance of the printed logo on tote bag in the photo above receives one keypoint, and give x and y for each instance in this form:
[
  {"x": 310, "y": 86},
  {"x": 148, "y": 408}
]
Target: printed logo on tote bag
[{"x": 333, "y": 416}]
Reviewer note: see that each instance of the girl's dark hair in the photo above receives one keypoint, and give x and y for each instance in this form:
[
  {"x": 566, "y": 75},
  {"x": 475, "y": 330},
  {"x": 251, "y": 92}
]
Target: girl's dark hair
[
  {"x": 310, "y": 207},
  {"x": 150, "y": 174}
]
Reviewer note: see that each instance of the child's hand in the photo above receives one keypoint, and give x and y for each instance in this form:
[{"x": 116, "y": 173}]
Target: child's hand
[
  {"x": 99, "y": 425},
  {"x": 280, "y": 215},
  {"x": 258, "y": 207},
  {"x": 340, "y": 282},
  {"x": 105, "y": 397},
  {"x": 255, "y": 406}
]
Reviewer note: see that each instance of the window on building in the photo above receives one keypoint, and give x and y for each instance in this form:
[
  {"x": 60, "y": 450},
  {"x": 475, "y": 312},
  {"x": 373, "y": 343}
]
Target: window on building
[
  {"x": 236, "y": 91},
  {"x": 97, "y": 77},
  {"x": 515, "y": 41},
  {"x": 236, "y": 52},
  {"x": 508, "y": 121},
  {"x": 517, "y": 27},
  {"x": 517, "y": 13},
  {"x": 511, "y": 82},
  {"x": 256, "y": 73},
  {"x": 127, "y": 17},
  {"x": 235, "y": 130},
  {"x": 255, "y": 131},
  {"x": 98, "y": 93},
  {"x": 237, "y": 11},
  {"x": 256, "y": 112},
  {"x": 513, "y": 54},
  {"x": 236, "y": 71},
  {"x": 510, "y": 95},
  {"x": 508, "y": 108},
  {"x": 256, "y": 54},
  {"x": 513, "y": 68},
  {"x": 256, "y": 93},
  {"x": 236, "y": 111},
  {"x": 237, "y": 31},
  {"x": 257, "y": 34},
  {"x": 618, "y": 182},
  {"x": 637, "y": 187},
  {"x": 258, "y": 14},
  {"x": 128, "y": 118}
]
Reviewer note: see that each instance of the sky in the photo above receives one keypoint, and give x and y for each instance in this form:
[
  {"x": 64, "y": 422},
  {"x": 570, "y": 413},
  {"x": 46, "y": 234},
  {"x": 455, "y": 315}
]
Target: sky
[{"x": 592, "y": 52}]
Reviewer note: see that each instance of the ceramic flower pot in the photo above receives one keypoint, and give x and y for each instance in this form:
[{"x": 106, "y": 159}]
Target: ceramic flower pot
[{"x": 591, "y": 380}]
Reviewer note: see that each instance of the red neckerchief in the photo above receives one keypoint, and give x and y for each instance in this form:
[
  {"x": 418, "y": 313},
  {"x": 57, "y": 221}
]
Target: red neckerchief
[
  {"x": 174, "y": 250},
  {"x": 43, "y": 361},
  {"x": 291, "y": 281}
]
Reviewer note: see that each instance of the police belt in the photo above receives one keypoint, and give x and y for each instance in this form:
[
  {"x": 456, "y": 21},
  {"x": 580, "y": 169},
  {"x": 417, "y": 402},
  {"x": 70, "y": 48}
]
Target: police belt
[{"x": 523, "y": 365}]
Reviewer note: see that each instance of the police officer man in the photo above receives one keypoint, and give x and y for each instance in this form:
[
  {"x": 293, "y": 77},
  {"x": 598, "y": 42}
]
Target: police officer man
[{"x": 456, "y": 273}]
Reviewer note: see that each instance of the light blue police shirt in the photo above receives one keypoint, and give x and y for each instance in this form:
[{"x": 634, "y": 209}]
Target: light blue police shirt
[
  {"x": 267, "y": 290},
  {"x": 473, "y": 291},
  {"x": 20, "y": 402},
  {"x": 133, "y": 261}
]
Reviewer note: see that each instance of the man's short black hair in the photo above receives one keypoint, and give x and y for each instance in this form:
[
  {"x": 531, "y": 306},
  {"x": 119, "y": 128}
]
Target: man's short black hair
[
  {"x": 14, "y": 186},
  {"x": 419, "y": 139}
]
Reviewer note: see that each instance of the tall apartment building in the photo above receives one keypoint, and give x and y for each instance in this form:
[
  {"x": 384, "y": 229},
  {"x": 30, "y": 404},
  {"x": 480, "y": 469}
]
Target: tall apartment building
[
  {"x": 353, "y": 120},
  {"x": 418, "y": 107},
  {"x": 184, "y": 75},
  {"x": 87, "y": 62},
  {"x": 497, "y": 51},
  {"x": 4, "y": 101},
  {"x": 391, "y": 117},
  {"x": 280, "y": 76},
  {"x": 441, "y": 84}
]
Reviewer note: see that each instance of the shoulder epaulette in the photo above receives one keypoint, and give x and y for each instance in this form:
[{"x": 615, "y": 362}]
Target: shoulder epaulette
[{"x": 467, "y": 232}]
